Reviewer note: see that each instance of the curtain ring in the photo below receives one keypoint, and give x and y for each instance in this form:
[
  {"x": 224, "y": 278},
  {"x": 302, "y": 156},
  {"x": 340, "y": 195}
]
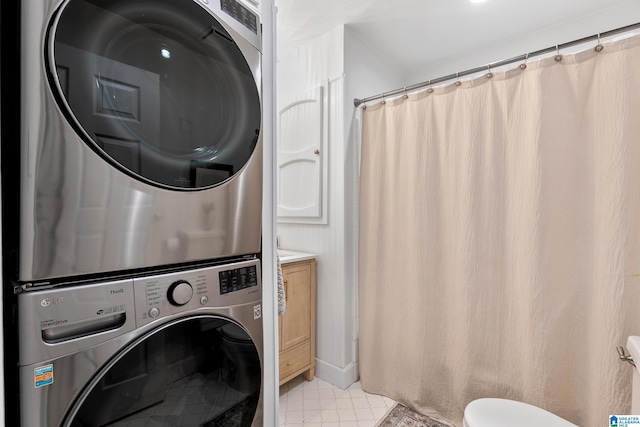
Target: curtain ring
[
  {"x": 458, "y": 83},
  {"x": 430, "y": 90},
  {"x": 558, "y": 57},
  {"x": 406, "y": 95},
  {"x": 599, "y": 46},
  {"x": 384, "y": 101},
  {"x": 489, "y": 74},
  {"x": 523, "y": 66}
]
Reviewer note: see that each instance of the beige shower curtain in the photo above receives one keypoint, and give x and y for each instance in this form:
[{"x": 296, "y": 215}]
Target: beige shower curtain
[{"x": 500, "y": 238}]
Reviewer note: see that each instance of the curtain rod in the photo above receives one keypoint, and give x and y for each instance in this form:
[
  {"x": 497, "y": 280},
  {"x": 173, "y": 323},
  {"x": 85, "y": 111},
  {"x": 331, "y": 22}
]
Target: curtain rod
[{"x": 357, "y": 102}]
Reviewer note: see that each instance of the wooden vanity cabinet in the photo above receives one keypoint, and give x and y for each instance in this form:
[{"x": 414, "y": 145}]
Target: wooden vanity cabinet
[{"x": 298, "y": 324}]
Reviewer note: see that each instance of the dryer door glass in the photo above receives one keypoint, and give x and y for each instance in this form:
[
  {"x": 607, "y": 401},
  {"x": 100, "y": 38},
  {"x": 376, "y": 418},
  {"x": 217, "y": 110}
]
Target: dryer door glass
[
  {"x": 197, "y": 372},
  {"x": 163, "y": 90}
]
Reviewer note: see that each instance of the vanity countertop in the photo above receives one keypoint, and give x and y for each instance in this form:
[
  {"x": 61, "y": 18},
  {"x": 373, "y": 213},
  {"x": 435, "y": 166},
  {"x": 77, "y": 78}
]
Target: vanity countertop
[{"x": 287, "y": 256}]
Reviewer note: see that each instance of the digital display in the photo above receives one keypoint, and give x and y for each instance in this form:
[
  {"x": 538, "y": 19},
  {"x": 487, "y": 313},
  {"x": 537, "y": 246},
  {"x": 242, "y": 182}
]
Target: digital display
[{"x": 237, "y": 279}]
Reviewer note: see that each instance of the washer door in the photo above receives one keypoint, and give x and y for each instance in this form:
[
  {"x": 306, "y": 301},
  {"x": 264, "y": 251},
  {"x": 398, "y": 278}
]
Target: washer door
[
  {"x": 187, "y": 373},
  {"x": 162, "y": 90}
]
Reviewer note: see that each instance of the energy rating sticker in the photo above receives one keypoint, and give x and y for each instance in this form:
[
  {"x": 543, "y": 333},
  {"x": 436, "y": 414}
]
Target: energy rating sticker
[{"x": 43, "y": 376}]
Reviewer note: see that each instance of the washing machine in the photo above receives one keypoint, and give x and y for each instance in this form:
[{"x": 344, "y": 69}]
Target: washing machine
[
  {"x": 140, "y": 137},
  {"x": 145, "y": 351}
]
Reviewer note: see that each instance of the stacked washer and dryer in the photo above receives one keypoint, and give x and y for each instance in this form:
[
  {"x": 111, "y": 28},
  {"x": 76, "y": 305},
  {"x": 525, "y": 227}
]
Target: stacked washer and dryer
[{"x": 132, "y": 214}]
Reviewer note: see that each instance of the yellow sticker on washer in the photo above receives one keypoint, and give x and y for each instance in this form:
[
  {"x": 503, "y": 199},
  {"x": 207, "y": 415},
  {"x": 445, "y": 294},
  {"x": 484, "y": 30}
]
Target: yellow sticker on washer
[{"x": 43, "y": 376}]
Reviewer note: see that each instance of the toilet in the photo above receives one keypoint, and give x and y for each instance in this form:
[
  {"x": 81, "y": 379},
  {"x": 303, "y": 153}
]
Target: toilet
[{"x": 491, "y": 412}]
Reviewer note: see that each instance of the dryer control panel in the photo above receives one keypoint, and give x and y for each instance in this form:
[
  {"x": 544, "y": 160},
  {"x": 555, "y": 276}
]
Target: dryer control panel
[{"x": 218, "y": 286}]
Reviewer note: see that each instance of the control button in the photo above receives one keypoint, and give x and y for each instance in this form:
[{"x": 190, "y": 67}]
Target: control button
[
  {"x": 204, "y": 300},
  {"x": 223, "y": 277},
  {"x": 154, "y": 312},
  {"x": 180, "y": 292}
]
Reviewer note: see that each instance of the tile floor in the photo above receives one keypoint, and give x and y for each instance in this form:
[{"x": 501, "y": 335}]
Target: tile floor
[{"x": 320, "y": 404}]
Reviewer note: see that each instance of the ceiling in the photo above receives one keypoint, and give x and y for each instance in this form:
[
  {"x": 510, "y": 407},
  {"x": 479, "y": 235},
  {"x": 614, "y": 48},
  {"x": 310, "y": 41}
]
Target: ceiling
[{"x": 440, "y": 29}]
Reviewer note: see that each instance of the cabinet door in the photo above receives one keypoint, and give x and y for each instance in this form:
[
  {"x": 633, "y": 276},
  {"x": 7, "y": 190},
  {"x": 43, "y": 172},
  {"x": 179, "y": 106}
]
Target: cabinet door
[
  {"x": 295, "y": 324},
  {"x": 301, "y": 172}
]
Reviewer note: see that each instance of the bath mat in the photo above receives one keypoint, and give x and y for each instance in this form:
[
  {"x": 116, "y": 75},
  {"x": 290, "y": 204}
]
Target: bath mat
[{"x": 401, "y": 416}]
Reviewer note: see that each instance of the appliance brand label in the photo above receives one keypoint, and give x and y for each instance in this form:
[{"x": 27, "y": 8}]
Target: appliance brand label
[
  {"x": 49, "y": 323},
  {"x": 48, "y": 301},
  {"x": 42, "y": 376},
  {"x": 110, "y": 310}
]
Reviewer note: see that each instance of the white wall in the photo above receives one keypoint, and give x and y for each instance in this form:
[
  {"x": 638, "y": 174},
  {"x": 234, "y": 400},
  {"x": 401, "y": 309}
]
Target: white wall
[
  {"x": 366, "y": 70},
  {"x": 581, "y": 26},
  {"x": 301, "y": 68},
  {"x": 350, "y": 66}
]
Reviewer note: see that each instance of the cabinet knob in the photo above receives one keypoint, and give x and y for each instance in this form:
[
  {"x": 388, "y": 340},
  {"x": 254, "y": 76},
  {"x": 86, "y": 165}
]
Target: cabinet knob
[{"x": 316, "y": 151}]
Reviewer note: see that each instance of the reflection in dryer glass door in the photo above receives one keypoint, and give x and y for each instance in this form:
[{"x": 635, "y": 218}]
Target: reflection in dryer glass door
[{"x": 184, "y": 375}]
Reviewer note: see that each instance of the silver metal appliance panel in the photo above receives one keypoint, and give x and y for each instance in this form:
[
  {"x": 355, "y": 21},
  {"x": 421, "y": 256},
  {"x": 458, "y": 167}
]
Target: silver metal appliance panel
[
  {"x": 152, "y": 294},
  {"x": 80, "y": 215},
  {"x": 78, "y": 363},
  {"x": 49, "y": 320}
]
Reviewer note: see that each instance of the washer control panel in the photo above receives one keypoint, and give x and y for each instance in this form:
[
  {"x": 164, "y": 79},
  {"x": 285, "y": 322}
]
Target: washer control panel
[
  {"x": 238, "y": 279},
  {"x": 218, "y": 286}
]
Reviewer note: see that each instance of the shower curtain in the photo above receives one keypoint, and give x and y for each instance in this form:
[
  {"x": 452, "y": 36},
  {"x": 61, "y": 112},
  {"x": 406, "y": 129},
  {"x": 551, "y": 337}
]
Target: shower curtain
[{"x": 499, "y": 251}]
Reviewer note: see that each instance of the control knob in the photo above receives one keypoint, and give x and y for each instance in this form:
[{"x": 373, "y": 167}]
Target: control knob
[{"x": 180, "y": 292}]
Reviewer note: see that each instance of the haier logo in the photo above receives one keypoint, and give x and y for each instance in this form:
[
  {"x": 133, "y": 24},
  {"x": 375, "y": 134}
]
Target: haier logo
[{"x": 116, "y": 291}]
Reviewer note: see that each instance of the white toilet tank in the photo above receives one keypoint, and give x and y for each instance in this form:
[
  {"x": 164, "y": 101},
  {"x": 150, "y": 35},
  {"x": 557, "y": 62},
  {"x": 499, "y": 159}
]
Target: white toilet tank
[{"x": 633, "y": 346}]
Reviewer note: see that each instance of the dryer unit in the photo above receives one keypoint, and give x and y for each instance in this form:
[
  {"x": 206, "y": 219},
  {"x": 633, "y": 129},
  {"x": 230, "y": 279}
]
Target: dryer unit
[{"x": 140, "y": 136}]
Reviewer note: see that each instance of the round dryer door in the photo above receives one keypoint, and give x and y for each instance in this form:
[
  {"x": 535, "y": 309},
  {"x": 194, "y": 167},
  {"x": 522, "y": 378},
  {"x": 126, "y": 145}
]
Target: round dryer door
[
  {"x": 165, "y": 91},
  {"x": 189, "y": 373}
]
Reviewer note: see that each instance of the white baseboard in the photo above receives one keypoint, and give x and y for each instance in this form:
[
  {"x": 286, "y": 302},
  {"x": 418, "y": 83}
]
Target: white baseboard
[{"x": 339, "y": 377}]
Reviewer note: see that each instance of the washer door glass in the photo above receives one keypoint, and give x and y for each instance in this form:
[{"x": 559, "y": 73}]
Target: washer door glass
[
  {"x": 196, "y": 372},
  {"x": 160, "y": 89}
]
